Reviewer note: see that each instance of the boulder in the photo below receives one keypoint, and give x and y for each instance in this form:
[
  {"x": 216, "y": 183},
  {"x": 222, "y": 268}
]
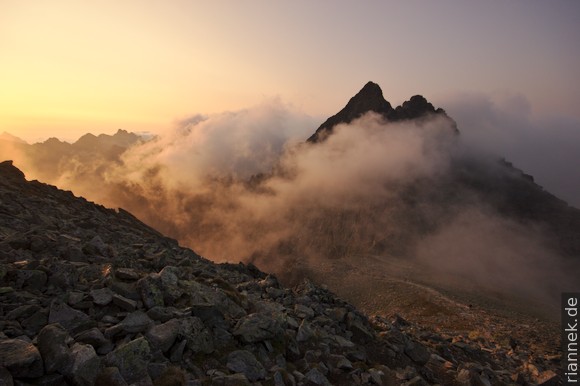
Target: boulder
[
  {"x": 52, "y": 344},
  {"x": 258, "y": 327},
  {"x": 72, "y": 320},
  {"x": 85, "y": 365},
  {"x": 21, "y": 359},
  {"x": 131, "y": 359},
  {"x": 162, "y": 336},
  {"x": 242, "y": 361}
]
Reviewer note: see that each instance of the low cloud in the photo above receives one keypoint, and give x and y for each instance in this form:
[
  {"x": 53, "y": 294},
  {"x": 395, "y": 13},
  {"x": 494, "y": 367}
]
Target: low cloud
[
  {"x": 244, "y": 186},
  {"x": 546, "y": 147}
]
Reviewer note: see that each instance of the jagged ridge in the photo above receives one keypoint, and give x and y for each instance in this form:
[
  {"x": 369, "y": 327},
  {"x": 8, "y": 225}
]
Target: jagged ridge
[{"x": 370, "y": 98}]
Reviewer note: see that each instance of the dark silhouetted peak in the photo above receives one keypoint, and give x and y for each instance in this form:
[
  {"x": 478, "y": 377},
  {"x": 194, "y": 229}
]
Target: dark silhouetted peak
[
  {"x": 10, "y": 172},
  {"x": 369, "y": 98},
  {"x": 415, "y": 107}
]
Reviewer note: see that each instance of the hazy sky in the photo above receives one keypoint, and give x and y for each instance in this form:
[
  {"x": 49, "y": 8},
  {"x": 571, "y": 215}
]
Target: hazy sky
[{"x": 72, "y": 66}]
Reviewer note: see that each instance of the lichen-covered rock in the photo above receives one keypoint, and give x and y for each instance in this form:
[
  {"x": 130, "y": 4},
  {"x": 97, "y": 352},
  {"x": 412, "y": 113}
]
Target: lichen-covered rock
[
  {"x": 150, "y": 291},
  {"x": 131, "y": 359},
  {"x": 198, "y": 337},
  {"x": 258, "y": 327}
]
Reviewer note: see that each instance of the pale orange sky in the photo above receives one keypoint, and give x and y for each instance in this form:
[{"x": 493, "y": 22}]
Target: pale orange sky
[{"x": 68, "y": 67}]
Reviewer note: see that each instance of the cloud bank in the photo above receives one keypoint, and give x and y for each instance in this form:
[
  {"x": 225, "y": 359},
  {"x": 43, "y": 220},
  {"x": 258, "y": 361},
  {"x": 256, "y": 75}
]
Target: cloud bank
[
  {"x": 547, "y": 147},
  {"x": 243, "y": 186}
]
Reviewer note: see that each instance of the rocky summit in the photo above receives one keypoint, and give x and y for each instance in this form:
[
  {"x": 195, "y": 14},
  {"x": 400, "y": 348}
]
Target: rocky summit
[
  {"x": 92, "y": 296},
  {"x": 370, "y": 98}
]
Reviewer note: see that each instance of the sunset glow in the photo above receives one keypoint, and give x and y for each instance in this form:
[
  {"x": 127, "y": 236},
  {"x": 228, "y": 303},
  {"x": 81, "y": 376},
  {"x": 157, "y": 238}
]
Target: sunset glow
[{"x": 68, "y": 67}]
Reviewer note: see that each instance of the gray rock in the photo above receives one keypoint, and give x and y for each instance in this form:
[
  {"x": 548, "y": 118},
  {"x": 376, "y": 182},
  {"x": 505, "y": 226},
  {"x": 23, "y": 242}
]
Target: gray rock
[
  {"x": 85, "y": 365},
  {"x": 75, "y": 297},
  {"x": 5, "y": 377},
  {"x": 340, "y": 362},
  {"x": 127, "y": 274},
  {"x": 34, "y": 323},
  {"x": 303, "y": 311},
  {"x": 150, "y": 291},
  {"x": 94, "y": 337},
  {"x": 278, "y": 379},
  {"x": 22, "y": 359},
  {"x": 163, "y": 336},
  {"x": 176, "y": 352},
  {"x": 96, "y": 246},
  {"x": 62, "y": 275},
  {"x": 131, "y": 359},
  {"x": 48, "y": 380},
  {"x": 417, "y": 352},
  {"x": 203, "y": 294},
  {"x": 231, "y": 380},
  {"x": 52, "y": 344},
  {"x": 360, "y": 332},
  {"x": 258, "y": 327},
  {"x": 125, "y": 303},
  {"x": 22, "y": 312},
  {"x": 242, "y": 361},
  {"x": 102, "y": 296},
  {"x": 199, "y": 338},
  {"x": 126, "y": 289},
  {"x": 315, "y": 377},
  {"x": 305, "y": 332},
  {"x": 137, "y": 321},
  {"x": 160, "y": 314},
  {"x": 338, "y": 314},
  {"x": 110, "y": 376},
  {"x": 33, "y": 279},
  {"x": 416, "y": 381},
  {"x": 72, "y": 320}
]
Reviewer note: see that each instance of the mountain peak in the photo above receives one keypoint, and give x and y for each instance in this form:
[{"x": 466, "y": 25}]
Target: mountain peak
[{"x": 369, "y": 98}]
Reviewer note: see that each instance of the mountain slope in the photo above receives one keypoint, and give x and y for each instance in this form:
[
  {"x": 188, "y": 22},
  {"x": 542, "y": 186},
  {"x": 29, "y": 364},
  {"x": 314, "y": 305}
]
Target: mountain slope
[
  {"x": 496, "y": 183},
  {"x": 90, "y": 295}
]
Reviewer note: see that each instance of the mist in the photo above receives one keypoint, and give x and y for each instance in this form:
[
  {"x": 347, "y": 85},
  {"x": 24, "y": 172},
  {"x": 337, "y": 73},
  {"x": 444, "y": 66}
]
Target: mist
[
  {"x": 243, "y": 186},
  {"x": 545, "y": 146}
]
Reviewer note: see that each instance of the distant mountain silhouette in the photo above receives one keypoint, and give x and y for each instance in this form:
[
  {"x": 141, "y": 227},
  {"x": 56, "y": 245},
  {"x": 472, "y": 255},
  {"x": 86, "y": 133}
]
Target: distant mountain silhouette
[{"x": 53, "y": 158}]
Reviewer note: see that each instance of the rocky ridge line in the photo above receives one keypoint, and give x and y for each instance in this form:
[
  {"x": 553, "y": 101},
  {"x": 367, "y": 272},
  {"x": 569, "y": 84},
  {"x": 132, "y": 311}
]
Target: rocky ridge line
[{"x": 370, "y": 99}]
